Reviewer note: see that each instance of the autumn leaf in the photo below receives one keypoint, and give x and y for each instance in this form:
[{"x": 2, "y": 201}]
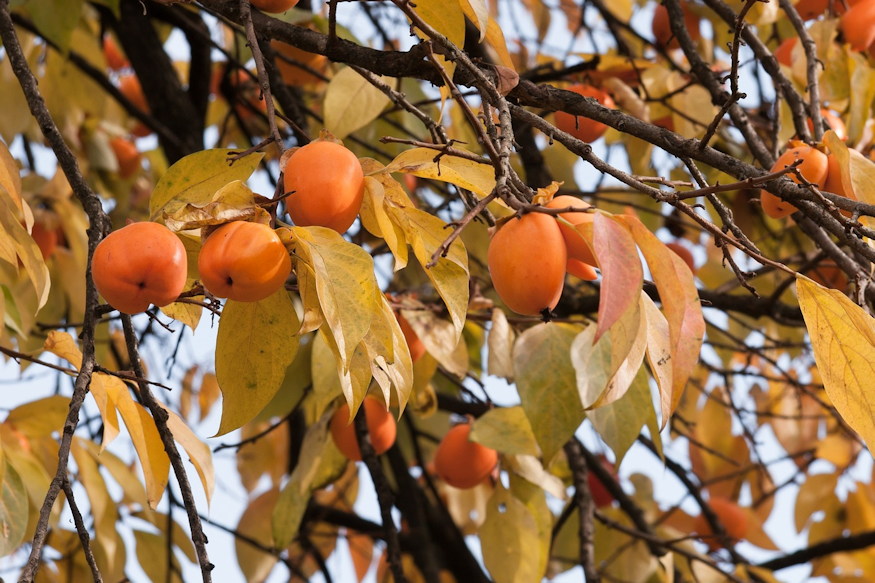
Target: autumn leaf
[
  {"x": 256, "y": 342},
  {"x": 843, "y": 339},
  {"x": 622, "y": 275},
  {"x": 509, "y": 535},
  {"x": 464, "y": 173},
  {"x": 351, "y": 102},
  {"x": 506, "y": 429},
  {"x": 378, "y": 222}
]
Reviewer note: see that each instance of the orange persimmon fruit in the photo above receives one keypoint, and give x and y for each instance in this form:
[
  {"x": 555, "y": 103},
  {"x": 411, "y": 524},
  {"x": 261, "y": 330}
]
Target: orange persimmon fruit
[
  {"x": 830, "y": 275},
  {"x": 328, "y": 185},
  {"x": 381, "y": 429},
  {"x": 813, "y": 167},
  {"x": 130, "y": 87},
  {"x": 577, "y": 247},
  {"x": 858, "y": 25},
  {"x": 115, "y": 59},
  {"x": 127, "y": 155},
  {"x": 662, "y": 33},
  {"x": 834, "y": 122},
  {"x": 732, "y": 517},
  {"x": 243, "y": 261},
  {"x": 140, "y": 264},
  {"x": 463, "y": 463},
  {"x": 298, "y": 67},
  {"x": 527, "y": 260},
  {"x": 45, "y": 238},
  {"x": 274, "y": 6},
  {"x": 580, "y": 127},
  {"x": 414, "y": 343},
  {"x": 784, "y": 52}
]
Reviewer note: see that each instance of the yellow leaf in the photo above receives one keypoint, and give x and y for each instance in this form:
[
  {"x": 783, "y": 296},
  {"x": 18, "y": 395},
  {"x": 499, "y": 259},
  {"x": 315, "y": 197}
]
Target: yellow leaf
[
  {"x": 351, "y": 102},
  {"x": 233, "y": 202},
  {"x": 428, "y": 163},
  {"x": 13, "y": 510},
  {"x": 440, "y": 340},
  {"x": 377, "y": 221},
  {"x": 16, "y": 237},
  {"x": 450, "y": 275},
  {"x": 152, "y": 553},
  {"x": 620, "y": 422},
  {"x": 535, "y": 500},
  {"x": 147, "y": 442},
  {"x": 843, "y": 339},
  {"x": 255, "y": 344},
  {"x": 196, "y": 178},
  {"x": 547, "y": 385},
  {"x": 508, "y": 537},
  {"x": 259, "y": 457},
  {"x": 198, "y": 452},
  {"x": 500, "y": 341},
  {"x": 255, "y": 525},
  {"x": 40, "y": 418},
  {"x": 506, "y": 429},
  {"x": 10, "y": 181},
  {"x": 659, "y": 355},
  {"x": 208, "y": 394},
  {"x": 345, "y": 285},
  {"x": 389, "y": 356},
  {"x": 320, "y": 464}
]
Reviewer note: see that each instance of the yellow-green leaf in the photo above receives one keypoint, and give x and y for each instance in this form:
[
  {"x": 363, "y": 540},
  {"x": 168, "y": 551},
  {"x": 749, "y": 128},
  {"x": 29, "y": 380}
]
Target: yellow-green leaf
[
  {"x": 196, "y": 178},
  {"x": 620, "y": 422},
  {"x": 351, "y": 103},
  {"x": 508, "y": 538},
  {"x": 843, "y": 339},
  {"x": 198, "y": 452},
  {"x": 547, "y": 385},
  {"x": 13, "y": 510},
  {"x": 464, "y": 173},
  {"x": 377, "y": 221},
  {"x": 506, "y": 429},
  {"x": 500, "y": 341},
  {"x": 255, "y": 344},
  {"x": 147, "y": 442}
]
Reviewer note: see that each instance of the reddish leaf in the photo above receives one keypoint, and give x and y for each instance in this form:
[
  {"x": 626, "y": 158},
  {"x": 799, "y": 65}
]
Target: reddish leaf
[{"x": 622, "y": 275}]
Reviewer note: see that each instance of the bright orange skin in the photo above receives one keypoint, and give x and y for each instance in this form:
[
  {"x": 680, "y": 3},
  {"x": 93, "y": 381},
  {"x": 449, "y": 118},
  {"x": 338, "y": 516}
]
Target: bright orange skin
[
  {"x": 584, "y": 271},
  {"x": 414, "y": 344},
  {"x": 273, "y": 6},
  {"x": 577, "y": 247},
  {"x": 784, "y": 52},
  {"x": 732, "y": 517},
  {"x": 584, "y": 128},
  {"x": 243, "y": 261},
  {"x": 113, "y": 55},
  {"x": 328, "y": 185},
  {"x": 462, "y": 463},
  {"x": 46, "y": 239},
  {"x": 662, "y": 33},
  {"x": 834, "y": 182},
  {"x": 140, "y": 264},
  {"x": 381, "y": 429},
  {"x": 130, "y": 87},
  {"x": 527, "y": 260},
  {"x": 684, "y": 254},
  {"x": 813, "y": 168},
  {"x": 830, "y": 275},
  {"x": 858, "y": 25},
  {"x": 834, "y": 122},
  {"x": 600, "y": 495},
  {"x": 293, "y": 74},
  {"x": 127, "y": 155}
]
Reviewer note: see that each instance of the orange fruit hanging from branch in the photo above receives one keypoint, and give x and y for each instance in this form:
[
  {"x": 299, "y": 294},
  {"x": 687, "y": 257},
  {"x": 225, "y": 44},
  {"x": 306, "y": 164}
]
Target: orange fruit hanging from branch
[
  {"x": 243, "y": 261},
  {"x": 584, "y": 128},
  {"x": 463, "y": 463},
  {"x": 382, "y": 429},
  {"x": 140, "y": 264},
  {"x": 813, "y": 167}
]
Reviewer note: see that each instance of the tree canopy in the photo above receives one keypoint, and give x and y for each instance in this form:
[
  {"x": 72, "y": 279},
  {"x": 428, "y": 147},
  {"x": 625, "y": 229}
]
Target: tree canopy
[{"x": 490, "y": 250}]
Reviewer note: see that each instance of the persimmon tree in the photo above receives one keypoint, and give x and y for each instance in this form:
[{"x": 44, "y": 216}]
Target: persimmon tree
[{"x": 715, "y": 319}]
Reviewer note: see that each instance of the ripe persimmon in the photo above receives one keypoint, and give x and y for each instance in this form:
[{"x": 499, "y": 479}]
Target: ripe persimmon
[
  {"x": 784, "y": 52},
  {"x": 662, "y": 34},
  {"x": 127, "y": 155},
  {"x": 414, "y": 344},
  {"x": 813, "y": 167},
  {"x": 584, "y": 128},
  {"x": 328, "y": 185},
  {"x": 684, "y": 254},
  {"x": 462, "y": 463},
  {"x": 574, "y": 243},
  {"x": 584, "y": 271},
  {"x": 274, "y": 6},
  {"x": 381, "y": 429},
  {"x": 732, "y": 517},
  {"x": 858, "y": 25},
  {"x": 527, "y": 260},
  {"x": 834, "y": 182},
  {"x": 130, "y": 87},
  {"x": 298, "y": 67},
  {"x": 140, "y": 264},
  {"x": 834, "y": 122},
  {"x": 115, "y": 59},
  {"x": 45, "y": 238},
  {"x": 243, "y": 261},
  {"x": 830, "y": 275}
]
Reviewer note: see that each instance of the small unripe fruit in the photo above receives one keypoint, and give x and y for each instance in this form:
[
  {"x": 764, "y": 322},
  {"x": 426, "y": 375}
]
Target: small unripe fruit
[
  {"x": 243, "y": 261},
  {"x": 462, "y": 463},
  {"x": 527, "y": 260},
  {"x": 328, "y": 185},
  {"x": 140, "y": 264},
  {"x": 381, "y": 429}
]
